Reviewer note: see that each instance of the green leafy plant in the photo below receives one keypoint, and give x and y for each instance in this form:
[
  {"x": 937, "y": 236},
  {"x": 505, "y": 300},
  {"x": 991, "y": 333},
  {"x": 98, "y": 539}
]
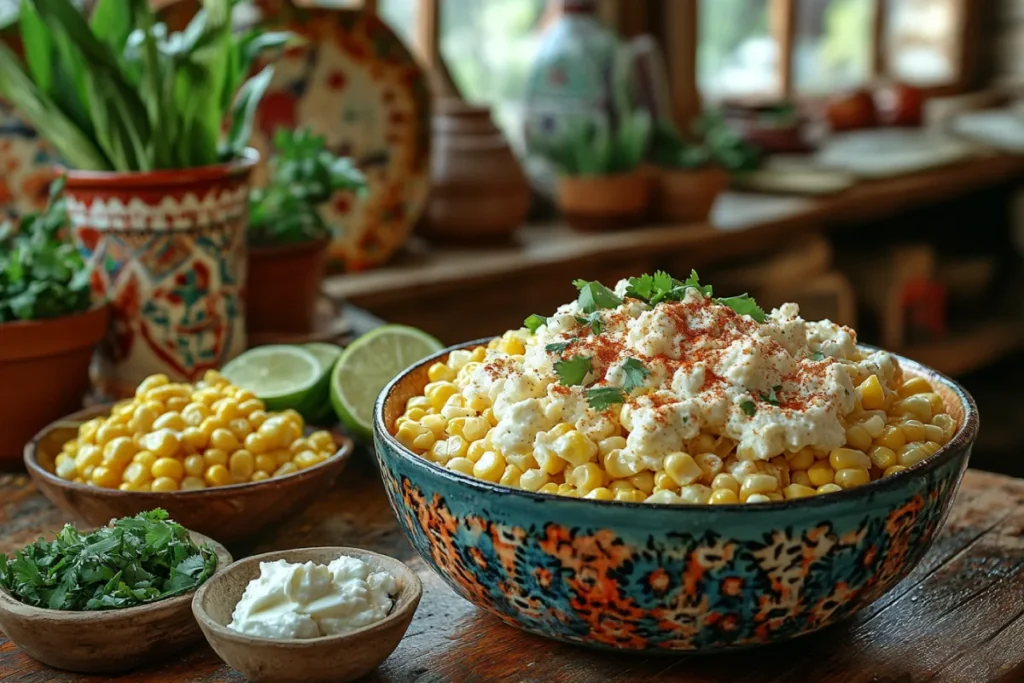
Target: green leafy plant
[
  {"x": 132, "y": 561},
  {"x": 41, "y": 274},
  {"x": 594, "y": 148},
  {"x": 304, "y": 175},
  {"x": 714, "y": 143},
  {"x": 119, "y": 92}
]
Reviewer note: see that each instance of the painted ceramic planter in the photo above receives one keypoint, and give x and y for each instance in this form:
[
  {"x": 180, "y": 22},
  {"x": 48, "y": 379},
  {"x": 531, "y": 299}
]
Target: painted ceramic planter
[
  {"x": 168, "y": 251},
  {"x": 284, "y": 286},
  {"x": 644, "y": 577}
]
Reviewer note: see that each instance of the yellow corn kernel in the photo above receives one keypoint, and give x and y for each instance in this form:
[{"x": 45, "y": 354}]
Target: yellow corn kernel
[
  {"x": 194, "y": 465},
  {"x": 478, "y": 354},
  {"x": 850, "y": 477},
  {"x": 643, "y": 481},
  {"x": 476, "y": 451},
  {"x": 281, "y": 456},
  {"x": 144, "y": 458},
  {"x": 461, "y": 465},
  {"x": 725, "y": 481},
  {"x": 194, "y": 440},
  {"x": 241, "y": 465},
  {"x": 634, "y": 496},
  {"x": 438, "y": 393},
  {"x": 247, "y": 406},
  {"x": 801, "y": 460},
  {"x": 490, "y": 467},
  {"x": 843, "y": 458},
  {"x": 215, "y": 456},
  {"x": 265, "y": 463},
  {"x": 192, "y": 484},
  {"x": 67, "y": 469},
  {"x": 421, "y": 402},
  {"x": 257, "y": 418},
  {"x": 934, "y": 434},
  {"x": 820, "y": 473},
  {"x": 258, "y": 442},
  {"x": 620, "y": 485},
  {"x": 275, "y": 432},
  {"x": 619, "y": 465},
  {"x": 242, "y": 395},
  {"x": 532, "y": 480},
  {"x": 798, "y": 491},
  {"x": 224, "y": 439},
  {"x": 882, "y": 457},
  {"x": 142, "y": 419},
  {"x": 916, "y": 407},
  {"x": 439, "y": 372},
  {"x": 87, "y": 430},
  {"x": 218, "y": 475},
  {"x": 303, "y": 460},
  {"x": 549, "y": 488},
  {"x": 585, "y": 478},
  {"x": 664, "y": 481},
  {"x": 892, "y": 438},
  {"x": 177, "y": 403},
  {"x": 207, "y": 397},
  {"x": 757, "y": 498},
  {"x": 858, "y": 438},
  {"x": 511, "y": 475},
  {"x": 600, "y": 493},
  {"x": 172, "y": 421},
  {"x": 914, "y": 385},
  {"x": 259, "y": 475},
  {"x": 872, "y": 396},
  {"x": 137, "y": 474},
  {"x": 117, "y": 453},
  {"x": 800, "y": 477},
  {"x": 895, "y": 469},
  {"x": 575, "y": 448},
  {"x": 167, "y": 467},
  {"x": 106, "y": 477},
  {"x": 934, "y": 402},
  {"x": 911, "y": 454},
  {"x": 226, "y": 409},
  {"x": 436, "y": 424},
  {"x": 723, "y": 496},
  {"x": 161, "y": 443},
  {"x": 758, "y": 483},
  {"x": 211, "y": 424},
  {"x": 710, "y": 465},
  {"x": 150, "y": 383},
  {"x": 240, "y": 427},
  {"x": 300, "y": 445},
  {"x": 695, "y": 494},
  {"x": 490, "y": 417},
  {"x": 682, "y": 468},
  {"x": 609, "y": 444},
  {"x": 947, "y": 424},
  {"x": 164, "y": 485},
  {"x": 663, "y": 497},
  {"x": 913, "y": 430},
  {"x": 285, "y": 469},
  {"x": 108, "y": 432}
]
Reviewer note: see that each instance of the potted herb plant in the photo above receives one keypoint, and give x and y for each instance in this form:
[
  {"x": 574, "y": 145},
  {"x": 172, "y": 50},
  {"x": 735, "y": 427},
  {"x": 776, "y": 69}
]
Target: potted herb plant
[
  {"x": 288, "y": 238},
  {"x": 153, "y": 126},
  {"x": 49, "y": 326},
  {"x": 691, "y": 174}
]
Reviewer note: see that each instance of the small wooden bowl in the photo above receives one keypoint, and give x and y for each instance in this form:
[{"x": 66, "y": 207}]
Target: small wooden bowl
[
  {"x": 227, "y": 513},
  {"x": 106, "y": 641},
  {"x": 334, "y": 659}
]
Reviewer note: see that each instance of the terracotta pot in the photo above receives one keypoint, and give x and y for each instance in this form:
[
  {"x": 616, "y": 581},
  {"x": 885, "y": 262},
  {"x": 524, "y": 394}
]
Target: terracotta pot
[
  {"x": 687, "y": 196},
  {"x": 478, "y": 190},
  {"x": 168, "y": 251},
  {"x": 44, "y": 370},
  {"x": 605, "y": 202},
  {"x": 283, "y": 286}
]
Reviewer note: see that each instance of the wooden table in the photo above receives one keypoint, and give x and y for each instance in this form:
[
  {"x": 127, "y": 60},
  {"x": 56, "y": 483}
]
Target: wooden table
[{"x": 957, "y": 618}]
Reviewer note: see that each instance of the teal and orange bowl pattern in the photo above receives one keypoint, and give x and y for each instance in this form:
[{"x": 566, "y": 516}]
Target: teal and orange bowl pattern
[{"x": 646, "y": 577}]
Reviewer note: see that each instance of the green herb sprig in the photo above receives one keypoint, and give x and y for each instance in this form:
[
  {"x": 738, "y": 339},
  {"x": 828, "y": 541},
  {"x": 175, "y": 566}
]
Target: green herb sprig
[
  {"x": 653, "y": 289},
  {"x": 304, "y": 175},
  {"x": 134, "y": 560},
  {"x": 42, "y": 275}
]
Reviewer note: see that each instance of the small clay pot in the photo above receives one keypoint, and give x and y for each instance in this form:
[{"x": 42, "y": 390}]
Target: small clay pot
[
  {"x": 283, "y": 287},
  {"x": 479, "y": 192},
  {"x": 44, "y": 372},
  {"x": 687, "y": 196},
  {"x": 592, "y": 203}
]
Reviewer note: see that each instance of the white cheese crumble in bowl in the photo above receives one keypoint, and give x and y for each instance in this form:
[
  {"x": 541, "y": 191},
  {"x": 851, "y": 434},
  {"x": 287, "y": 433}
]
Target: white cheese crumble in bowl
[{"x": 311, "y": 614}]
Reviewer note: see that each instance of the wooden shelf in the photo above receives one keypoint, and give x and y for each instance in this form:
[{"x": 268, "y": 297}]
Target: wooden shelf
[{"x": 969, "y": 350}]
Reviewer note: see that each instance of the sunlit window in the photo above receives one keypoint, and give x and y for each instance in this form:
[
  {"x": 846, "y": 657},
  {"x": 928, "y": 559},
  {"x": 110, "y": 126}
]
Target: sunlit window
[
  {"x": 401, "y": 16},
  {"x": 832, "y": 47},
  {"x": 922, "y": 43},
  {"x": 736, "y": 53}
]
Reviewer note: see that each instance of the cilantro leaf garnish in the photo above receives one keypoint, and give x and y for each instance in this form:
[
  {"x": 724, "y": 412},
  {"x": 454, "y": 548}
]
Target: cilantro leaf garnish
[
  {"x": 749, "y": 408},
  {"x": 694, "y": 281},
  {"x": 132, "y": 561},
  {"x": 771, "y": 397},
  {"x": 558, "y": 347},
  {"x": 593, "y": 321},
  {"x": 817, "y": 355},
  {"x": 601, "y": 398},
  {"x": 573, "y": 371},
  {"x": 594, "y": 296},
  {"x": 534, "y": 322},
  {"x": 636, "y": 372},
  {"x": 744, "y": 305},
  {"x": 659, "y": 287}
]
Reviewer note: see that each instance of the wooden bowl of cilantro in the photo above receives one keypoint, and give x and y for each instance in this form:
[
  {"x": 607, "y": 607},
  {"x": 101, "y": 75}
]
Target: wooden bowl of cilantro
[{"x": 111, "y": 599}]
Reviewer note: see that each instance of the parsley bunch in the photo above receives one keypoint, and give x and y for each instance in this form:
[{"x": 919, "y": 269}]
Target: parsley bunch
[
  {"x": 42, "y": 275},
  {"x": 132, "y": 561}
]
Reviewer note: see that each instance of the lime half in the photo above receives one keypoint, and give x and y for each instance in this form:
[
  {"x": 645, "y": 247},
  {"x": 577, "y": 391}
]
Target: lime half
[
  {"x": 317, "y": 409},
  {"x": 281, "y": 376},
  {"x": 366, "y": 367}
]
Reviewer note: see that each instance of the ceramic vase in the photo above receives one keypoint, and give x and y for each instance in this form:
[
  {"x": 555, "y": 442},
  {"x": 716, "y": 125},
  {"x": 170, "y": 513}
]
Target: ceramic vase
[
  {"x": 597, "y": 203},
  {"x": 478, "y": 190},
  {"x": 168, "y": 250}
]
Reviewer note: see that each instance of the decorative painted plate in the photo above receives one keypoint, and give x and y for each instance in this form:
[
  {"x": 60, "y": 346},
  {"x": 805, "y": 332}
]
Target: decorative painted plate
[{"x": 356, "y": 83}]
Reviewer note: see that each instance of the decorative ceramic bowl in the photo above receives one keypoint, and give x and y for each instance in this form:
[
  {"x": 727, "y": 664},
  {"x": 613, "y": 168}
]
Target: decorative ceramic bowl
[
  {"x": 227, "y": 513},
  {"x": 331, "y": 659},
  {"x": 106, "y": 641},
  {"x": 638, "y": 576}
]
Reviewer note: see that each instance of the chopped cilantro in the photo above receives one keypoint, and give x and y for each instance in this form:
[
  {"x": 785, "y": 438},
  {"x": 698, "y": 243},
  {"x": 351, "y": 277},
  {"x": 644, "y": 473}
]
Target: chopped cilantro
[
  {"x": 749, "y": 408},
  {"x": 771, "y": 397},
  {"x": 557, "y": 347},
  {"x": 817, "y": 355},
  {"x": 635, "y": 372},
  {"x": 744, "y": 305},
  {"x": 659, "y": 287},
  {"x": 601, "y": 398},
  {"x": 593, "y": 321},
  {"x": 572, "y": 372},
  {"x": 594, "y": 296},
  {"x": 534, "y": 322}
]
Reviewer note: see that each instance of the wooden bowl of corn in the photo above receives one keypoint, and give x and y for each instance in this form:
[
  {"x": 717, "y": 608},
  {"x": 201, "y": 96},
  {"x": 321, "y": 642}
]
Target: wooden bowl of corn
[{"x": 209, "y": 453}]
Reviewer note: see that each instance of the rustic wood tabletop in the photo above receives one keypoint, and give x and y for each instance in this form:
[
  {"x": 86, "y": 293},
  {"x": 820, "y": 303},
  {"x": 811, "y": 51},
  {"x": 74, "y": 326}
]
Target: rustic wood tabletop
[{"x": 957, "y": 618}]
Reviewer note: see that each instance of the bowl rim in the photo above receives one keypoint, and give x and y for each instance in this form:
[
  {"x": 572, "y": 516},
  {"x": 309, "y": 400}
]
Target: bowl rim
[
  {"x": 411, "y": 583},
  {"x": 11, "y": 605},
  {"x": 965, "y": 436},
  {"x": 35, "y": 469}
]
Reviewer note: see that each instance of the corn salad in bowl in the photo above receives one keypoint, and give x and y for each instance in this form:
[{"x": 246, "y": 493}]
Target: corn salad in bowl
[
  {"x": 689, "y": 399},
  {"x": 653, "y": 468},
  {"x": 177, "y": 436}
]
